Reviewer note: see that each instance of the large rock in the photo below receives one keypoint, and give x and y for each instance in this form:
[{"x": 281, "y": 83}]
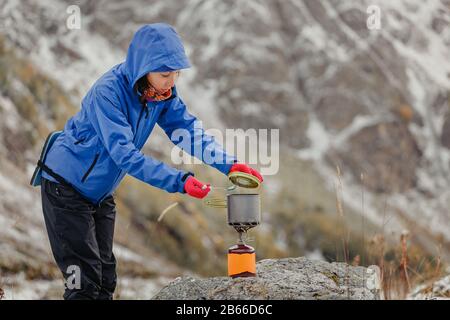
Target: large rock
[{"x": 289, "y": 278}]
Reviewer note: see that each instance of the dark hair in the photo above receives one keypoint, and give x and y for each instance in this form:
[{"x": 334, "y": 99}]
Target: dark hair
[{"x": 140, "y": 86}]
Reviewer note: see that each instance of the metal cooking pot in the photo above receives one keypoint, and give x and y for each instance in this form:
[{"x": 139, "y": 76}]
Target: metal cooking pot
[{"x": 244, "y": 210}]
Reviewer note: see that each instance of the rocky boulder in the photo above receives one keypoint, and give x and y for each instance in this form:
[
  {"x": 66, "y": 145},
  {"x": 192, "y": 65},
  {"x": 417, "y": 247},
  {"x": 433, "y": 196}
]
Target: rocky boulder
[{"x": 282, "y": 279}]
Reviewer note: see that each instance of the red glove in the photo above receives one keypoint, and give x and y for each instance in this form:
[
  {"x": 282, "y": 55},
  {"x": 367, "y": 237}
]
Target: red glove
[
  {"x": 242, "y": 167},
  {"x": 195, "y": 188}
]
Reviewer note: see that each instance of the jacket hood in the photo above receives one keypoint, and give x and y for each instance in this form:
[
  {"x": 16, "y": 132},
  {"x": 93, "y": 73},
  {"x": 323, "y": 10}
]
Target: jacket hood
[{"x": 154, "y": 48}]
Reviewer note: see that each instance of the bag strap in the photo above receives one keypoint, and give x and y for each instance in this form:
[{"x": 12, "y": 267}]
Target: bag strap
[{"x": 56, "y": 176}]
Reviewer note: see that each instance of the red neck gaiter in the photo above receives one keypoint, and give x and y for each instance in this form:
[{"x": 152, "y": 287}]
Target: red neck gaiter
[{"x": 151, "y": 94}]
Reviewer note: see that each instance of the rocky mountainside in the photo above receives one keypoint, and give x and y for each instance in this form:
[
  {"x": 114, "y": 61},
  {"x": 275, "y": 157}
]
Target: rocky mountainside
[{"x": 373, "y": 103}]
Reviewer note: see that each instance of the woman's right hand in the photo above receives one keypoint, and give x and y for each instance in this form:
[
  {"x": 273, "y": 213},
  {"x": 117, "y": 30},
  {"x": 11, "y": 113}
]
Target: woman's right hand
[{"x": 196, "y": 188}]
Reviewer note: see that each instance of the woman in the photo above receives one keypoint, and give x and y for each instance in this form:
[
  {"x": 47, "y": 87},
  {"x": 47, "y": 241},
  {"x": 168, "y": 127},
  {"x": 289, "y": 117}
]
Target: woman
[{"x": 102, "y": 143}]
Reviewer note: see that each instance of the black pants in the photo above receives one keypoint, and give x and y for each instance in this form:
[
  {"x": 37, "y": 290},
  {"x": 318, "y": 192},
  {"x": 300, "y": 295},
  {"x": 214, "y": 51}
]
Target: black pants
[{"x": 81, "y": 239}]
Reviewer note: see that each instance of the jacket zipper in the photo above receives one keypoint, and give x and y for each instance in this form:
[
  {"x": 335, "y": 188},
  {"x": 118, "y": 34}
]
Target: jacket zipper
[
  {"x": 90, "y": 168},
  {"x": 144, "y": 107}
]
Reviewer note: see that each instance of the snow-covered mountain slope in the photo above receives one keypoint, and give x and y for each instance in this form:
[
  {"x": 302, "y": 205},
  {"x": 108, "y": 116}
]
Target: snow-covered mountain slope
[{"x": 373, "y": 102}]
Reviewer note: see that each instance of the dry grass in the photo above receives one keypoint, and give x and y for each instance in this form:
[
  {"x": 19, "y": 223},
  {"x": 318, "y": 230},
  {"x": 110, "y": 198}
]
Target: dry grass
[
  {"x": 403, "y": 265},
  {"x": 340, "y": 210}
]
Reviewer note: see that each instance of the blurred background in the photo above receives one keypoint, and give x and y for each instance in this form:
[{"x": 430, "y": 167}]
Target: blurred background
[{"x": 363, "y": 114}]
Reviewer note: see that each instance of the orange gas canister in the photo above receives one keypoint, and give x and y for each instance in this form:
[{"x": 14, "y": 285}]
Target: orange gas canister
[{"x": 241, "y": 261}]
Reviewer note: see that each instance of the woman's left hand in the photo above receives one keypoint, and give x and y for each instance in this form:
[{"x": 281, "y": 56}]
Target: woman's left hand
[{"x": 242, "y": 167}]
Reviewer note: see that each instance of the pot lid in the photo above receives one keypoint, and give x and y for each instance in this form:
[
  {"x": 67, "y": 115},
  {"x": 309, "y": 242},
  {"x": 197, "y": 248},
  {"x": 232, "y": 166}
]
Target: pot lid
[{"x": 244, "y": 180}]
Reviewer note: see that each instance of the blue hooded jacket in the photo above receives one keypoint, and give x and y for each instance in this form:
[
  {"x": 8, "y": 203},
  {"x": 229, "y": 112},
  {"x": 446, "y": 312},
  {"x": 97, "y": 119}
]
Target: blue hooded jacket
[{"x": 102, "y": 142}]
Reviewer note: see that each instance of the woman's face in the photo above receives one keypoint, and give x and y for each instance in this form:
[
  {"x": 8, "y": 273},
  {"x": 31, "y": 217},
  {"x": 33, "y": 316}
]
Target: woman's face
[{"x": 163, "y": 81}]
